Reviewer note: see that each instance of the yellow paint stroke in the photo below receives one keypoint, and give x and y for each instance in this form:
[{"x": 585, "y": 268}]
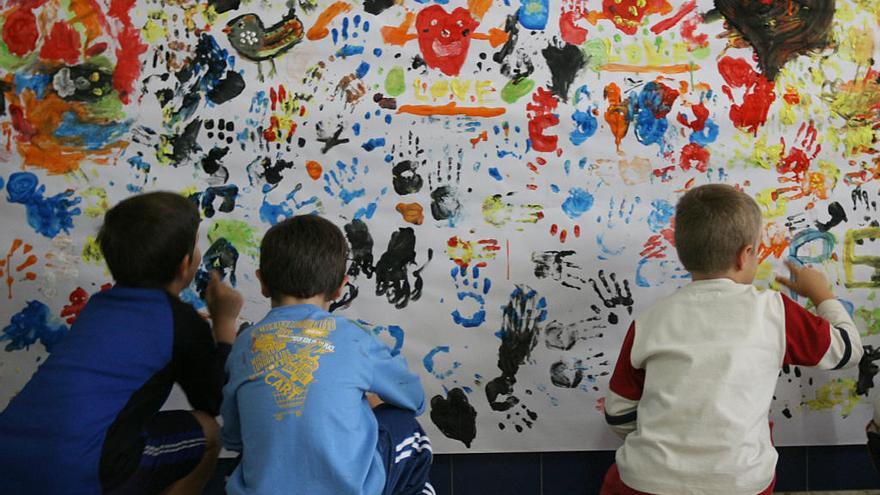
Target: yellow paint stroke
[
  {"x": 451, "y": 109},
  {"x": 102, "y": 204},
  {"x": 319, "y": 30},
  {"x": 662, "y": 69},
  {"x": 840, "y": 392},
  {"x": 850, "y": 258},
  {"x": 91, "y": 252},
  {"x": 771, "y": 207}
]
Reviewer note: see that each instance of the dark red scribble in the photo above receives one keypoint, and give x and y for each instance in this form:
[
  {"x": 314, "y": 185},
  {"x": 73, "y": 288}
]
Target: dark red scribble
[
  {"x": 445, "y": 38},
  {"x": 541, "y": 118},
  {"x": 21, "y": 124},
  {"x": 668, "y": 23},
  {"x": 20, "y": 31},
  {"x": 694, "y": 156},
  {"x": 752, "y": 112},
  {"x": 63, "y": 44}
]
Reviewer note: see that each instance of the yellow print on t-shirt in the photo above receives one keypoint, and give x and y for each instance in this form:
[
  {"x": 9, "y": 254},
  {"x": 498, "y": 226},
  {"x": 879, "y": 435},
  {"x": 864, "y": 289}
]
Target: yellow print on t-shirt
[{"x": 285, "y": 356}]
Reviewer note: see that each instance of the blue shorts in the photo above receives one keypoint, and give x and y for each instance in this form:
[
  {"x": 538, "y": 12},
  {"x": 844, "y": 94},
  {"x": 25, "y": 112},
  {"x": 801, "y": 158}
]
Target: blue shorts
[
  {"x": 406, "y": 450},
  {"x": 174, "y": 444}
]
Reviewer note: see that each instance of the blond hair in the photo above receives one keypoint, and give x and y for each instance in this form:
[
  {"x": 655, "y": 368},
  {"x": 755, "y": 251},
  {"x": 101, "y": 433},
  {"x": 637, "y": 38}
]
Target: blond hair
[{"x": 712, "y": 224}]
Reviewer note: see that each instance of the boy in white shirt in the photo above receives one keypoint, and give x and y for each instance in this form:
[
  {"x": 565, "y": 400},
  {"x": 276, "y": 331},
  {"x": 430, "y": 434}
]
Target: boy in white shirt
[{"x": 691, "y": 390}]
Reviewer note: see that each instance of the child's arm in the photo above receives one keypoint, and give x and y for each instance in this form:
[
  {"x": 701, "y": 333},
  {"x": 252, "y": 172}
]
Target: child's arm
[
  {"x": 199, "y": 358},
  {"x": 828, "y": 341},
  {"x": 392, "y": 381},
  {"x": 624, "y": 389},
  {"x": 230, "y": 432}
]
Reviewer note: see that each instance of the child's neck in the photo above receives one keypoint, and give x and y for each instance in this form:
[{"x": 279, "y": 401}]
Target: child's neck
[
  {"x": 737, "y": 276},
  {"x": 317, "y": 300}
]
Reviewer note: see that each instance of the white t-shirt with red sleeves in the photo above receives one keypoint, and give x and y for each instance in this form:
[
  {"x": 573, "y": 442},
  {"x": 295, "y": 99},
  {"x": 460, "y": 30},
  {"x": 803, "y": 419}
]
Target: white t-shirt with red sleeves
[{"x": 692, "y": 387}]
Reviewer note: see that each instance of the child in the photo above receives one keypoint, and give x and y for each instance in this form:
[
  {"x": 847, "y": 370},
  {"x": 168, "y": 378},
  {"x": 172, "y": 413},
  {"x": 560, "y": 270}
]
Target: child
[
  {"x": 295, "y": 403},
  {"x": 692, "y": 387},
  {"x": 88, "y": 421}
]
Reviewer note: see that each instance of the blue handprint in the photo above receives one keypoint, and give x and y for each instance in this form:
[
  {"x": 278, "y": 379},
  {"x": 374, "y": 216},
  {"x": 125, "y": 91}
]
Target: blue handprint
[{"x": 469, "y": 287}]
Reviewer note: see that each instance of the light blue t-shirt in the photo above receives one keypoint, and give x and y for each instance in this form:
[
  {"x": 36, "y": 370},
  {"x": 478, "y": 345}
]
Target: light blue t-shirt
[{"x": 294, "y": 404}]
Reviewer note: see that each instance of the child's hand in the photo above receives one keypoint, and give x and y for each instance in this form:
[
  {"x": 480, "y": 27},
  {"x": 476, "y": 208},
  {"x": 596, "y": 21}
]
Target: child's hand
[
  {"x": 374, "y": 400},
  {"x": 807, "y": 282},
  {"x": 224, "y": 304}
]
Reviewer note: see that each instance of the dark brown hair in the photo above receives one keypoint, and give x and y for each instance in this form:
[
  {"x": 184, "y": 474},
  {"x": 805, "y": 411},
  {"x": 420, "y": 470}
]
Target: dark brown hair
[
  {"x": 145, "y": 237},
  {"x": 303, "y": 256},
  {"x": 712, "y": 223}
]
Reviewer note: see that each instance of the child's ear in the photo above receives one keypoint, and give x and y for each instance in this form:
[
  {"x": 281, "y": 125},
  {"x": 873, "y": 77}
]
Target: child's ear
[
  {"x": 184, "y": 266},
  {"x": 742, "y": 258},
  {"x": 263, "y": 289},
  {"x": 338, "y": 292}
]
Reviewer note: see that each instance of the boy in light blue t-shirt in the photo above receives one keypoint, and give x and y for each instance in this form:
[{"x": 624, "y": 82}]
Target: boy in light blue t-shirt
[{"x": 295, "y": 404}]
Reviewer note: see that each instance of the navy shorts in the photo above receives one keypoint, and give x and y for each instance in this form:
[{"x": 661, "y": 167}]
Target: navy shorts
[
  {"x": 406, "y": 450},
  {"x": 174, "y": 444}
]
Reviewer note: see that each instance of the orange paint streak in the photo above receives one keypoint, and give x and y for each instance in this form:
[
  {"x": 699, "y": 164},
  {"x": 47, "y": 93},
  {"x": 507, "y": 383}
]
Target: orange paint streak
[
  {"x": 319, "y": 30},
  {"x": 496, "y": 37},
  {"x": 411, "y": 212},
  {"x": 484, "y": 136},
  {"x": 451, "y": 109},
  {"x": 30, "y": 261},
  {"x": 91, "y": 18},
  {"x": 399, "y": 35},
  {"x": 479, "y": 8},
  {"x": 617, "y": 114},
  {"x": 663, "y": 69},
  {"x": 314, "y": 169}
]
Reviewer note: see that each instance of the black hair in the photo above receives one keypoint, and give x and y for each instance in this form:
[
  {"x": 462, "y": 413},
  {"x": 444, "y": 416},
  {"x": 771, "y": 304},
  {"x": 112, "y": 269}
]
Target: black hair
[
  {"x": 303, "y": 256},
  {"x": 144, "y": 238}
]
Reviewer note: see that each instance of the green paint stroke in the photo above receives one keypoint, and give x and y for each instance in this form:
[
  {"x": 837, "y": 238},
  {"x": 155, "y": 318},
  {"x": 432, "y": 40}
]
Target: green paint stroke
[
  {"x": 239, "y": 233},
  {"x": 840, "y": 392},
  {"x": 872, "y": 320},
  {"x": 91, "y": 252},
  {"x": 395, "y": 82},
  {"x": 514, "y": 90}
]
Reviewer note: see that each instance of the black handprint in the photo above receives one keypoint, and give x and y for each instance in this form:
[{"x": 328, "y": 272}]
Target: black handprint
[
  {"x": 392, "y": 270},
  {"x": 613, "y": 298}
]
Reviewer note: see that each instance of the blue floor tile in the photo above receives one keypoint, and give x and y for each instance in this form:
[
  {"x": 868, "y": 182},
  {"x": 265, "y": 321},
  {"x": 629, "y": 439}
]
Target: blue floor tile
[
  {"x": 841, "y": 467},
  {"x": 791, "y": 469},
  {"x": 441, "y": 474},
  {"x": 496, "y": 474},
  {"x": 574, "y": 473}
]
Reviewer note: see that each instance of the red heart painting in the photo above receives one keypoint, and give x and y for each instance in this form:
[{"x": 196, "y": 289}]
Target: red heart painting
[{"x": 444, "y": 37}]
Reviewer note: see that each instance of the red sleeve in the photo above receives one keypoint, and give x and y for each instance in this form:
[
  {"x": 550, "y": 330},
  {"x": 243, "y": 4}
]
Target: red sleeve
[
  {"x": 627, "y": 381},
  {"x": 807, "y": 336}
]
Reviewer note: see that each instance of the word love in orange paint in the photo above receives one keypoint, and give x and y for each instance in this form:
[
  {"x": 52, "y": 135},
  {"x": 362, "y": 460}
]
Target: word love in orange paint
[{"x": 6, "y": 265}]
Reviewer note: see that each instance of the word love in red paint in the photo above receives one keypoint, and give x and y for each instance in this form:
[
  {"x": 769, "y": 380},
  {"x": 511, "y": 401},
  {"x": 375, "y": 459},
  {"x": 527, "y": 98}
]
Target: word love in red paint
[
  {"x": 541, "y": 117},
  {"x": 445, "y": 38}
]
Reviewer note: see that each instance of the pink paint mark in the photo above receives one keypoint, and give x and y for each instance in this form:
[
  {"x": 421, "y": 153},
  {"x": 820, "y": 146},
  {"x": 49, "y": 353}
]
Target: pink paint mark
[
  {"x": 63, "y": 44},
  {"x": 570, "y": 31},
  {"x": 542, "y": 118},
  {"x": 752, "y": 112},
  {"x": 672, "y": 21}
]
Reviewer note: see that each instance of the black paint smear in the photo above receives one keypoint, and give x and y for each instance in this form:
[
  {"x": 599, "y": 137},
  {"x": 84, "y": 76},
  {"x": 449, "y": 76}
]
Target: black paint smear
[
  {"x": 361, "y": 243},
  {"x": 418, "y": 62},
  {"x": 392, "y": 270},
  {"x": 838, "y": 215},
  {"x": 780, "y": 31},
  {"x": 344, "y": 301},
  {"x": 265, "y": 170},
  {"x": 612, "y": 298},
  {"x": 184, "y": 144},
  {"x": 859, "y": 195},
  {"x": 554, "y": 264},
  {"x": 867, "y": 370},
  {"x": 405, "y": 178},
  {"x": 454, "y": 416},
  {"x": 164, "y": 96},
  {"x": 222, "y": 6},
  {"x": 514, "y": 65},
  {"x": 4, "y": 87},
  {"x": 444, "y": 203},
  {"x": 566, "y": 375},
  {"x": 330, "y": 142},
  {"x": 228, "y": 193},
  {"x": 89, "y": 82},
  {"x": 787, "y": 413},
  {"x": 519, "y": 336},
  {"x": 211, "y": 162},
  {"x": 227, "y": 88},
  {"x": 376, "y": 7},
  {"x": 220, "y": 257},
  {"x": 564, "y": 64}
]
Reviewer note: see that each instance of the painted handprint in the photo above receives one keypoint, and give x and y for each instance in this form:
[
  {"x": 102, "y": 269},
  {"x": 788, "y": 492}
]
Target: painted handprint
[
  {"x": 612, "y": 294},
  {"x": 557, "y": 266}
]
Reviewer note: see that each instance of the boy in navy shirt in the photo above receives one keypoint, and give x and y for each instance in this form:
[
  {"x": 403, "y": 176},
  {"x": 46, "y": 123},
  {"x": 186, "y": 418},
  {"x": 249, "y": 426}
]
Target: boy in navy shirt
[
  {"x": 88, "y": 421},
  {"x": 296, "y": 403}
]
